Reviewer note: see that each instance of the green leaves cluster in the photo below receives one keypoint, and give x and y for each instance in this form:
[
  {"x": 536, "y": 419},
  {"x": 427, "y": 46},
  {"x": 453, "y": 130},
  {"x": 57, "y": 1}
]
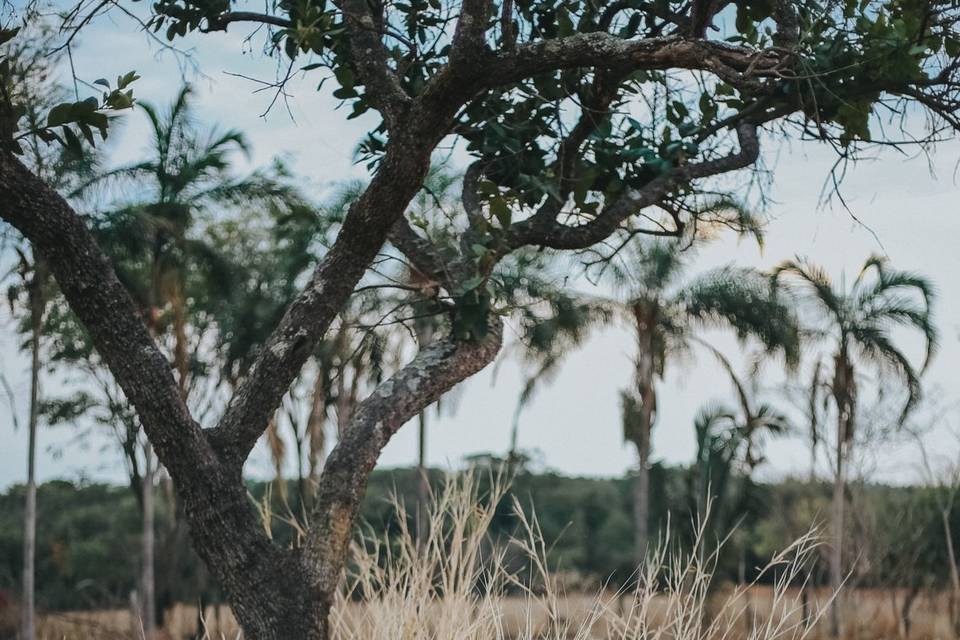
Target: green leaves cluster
[{"x": 66, "y": 123}]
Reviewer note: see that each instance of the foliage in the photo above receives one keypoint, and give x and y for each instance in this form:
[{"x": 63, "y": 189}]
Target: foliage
[
  {"x": 66, "y": 122},
  {"x": 89, "y": 533}
]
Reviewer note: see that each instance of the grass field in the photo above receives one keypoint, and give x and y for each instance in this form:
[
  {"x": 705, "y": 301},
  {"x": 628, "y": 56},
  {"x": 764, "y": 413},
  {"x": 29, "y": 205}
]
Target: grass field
[{"x": 871, "y": 615}]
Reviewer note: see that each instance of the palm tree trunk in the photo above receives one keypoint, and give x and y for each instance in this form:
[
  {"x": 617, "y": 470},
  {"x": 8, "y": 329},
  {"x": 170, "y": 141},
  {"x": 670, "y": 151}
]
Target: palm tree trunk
[
  {"x": 148, "y": 586},
  {"x": 37, "y": 303},
  {"x": 645, "y": 372},
  {"x": 836, "y": 551},
  {"x": 954, "y": 574},
  {"x": 423, "y": 481},
  {"x": 641, "y": 490}
]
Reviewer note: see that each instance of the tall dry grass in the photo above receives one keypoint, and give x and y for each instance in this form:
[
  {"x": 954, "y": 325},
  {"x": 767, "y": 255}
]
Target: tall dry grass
[{"x": 456, "y": 583}]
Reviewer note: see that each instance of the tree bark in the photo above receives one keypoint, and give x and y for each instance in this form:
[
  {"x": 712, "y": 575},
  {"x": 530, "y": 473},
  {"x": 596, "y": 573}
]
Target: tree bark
[
  {"x": 645, "y": 316},
  {"x": 37, "y": 305},
  {"x": 641, "y": 497}
]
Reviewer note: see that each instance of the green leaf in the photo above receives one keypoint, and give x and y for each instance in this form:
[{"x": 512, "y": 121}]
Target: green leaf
[
  {"x": 472, "y": 283},
  {"x": 501, "y": 211},
  {"x": 6, "y": 35},
  {"x": 60, "y": 114}
]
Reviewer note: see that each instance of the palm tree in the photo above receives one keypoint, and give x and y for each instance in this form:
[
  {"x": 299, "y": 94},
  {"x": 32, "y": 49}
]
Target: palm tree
[
  {"x": 859, "y": 320},
  {"x": 186, "y": 174},
  {"x": 665, "y": 315},
  {"x": 731, "y": 439}
]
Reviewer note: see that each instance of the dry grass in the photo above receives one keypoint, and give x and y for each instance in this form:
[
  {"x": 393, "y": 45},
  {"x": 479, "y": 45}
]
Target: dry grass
[{"x": 402, "y": 589}]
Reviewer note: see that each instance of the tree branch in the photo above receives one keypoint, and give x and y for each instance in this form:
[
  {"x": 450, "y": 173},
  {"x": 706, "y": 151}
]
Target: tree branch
[
  {"x": 90, "y": 285},
  {"x": 435, "y": 370},
  {"x": 544, "y": 230},
  {"x": 383, "y": 88},
  {"x": 736, "y": 65},
  {"x": 230, "y": 17},
  {"x": 468, "y": 37},
  {"x": 308, "y": 317}
]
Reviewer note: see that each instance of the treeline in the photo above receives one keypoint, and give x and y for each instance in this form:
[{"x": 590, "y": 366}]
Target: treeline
[{"x": 89, "y": 534}]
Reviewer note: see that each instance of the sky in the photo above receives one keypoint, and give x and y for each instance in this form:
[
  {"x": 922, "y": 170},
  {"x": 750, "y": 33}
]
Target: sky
[{"x": 899, "y": 206}]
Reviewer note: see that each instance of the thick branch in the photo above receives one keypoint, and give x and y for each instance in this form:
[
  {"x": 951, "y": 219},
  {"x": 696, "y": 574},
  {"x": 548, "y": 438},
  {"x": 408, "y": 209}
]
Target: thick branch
[
  {"x": 468, "y": 37},
  {"x": 604, "y": 50},
  {"x": 544, "y": 230},
  {"x": 221, "y": 22},
  {"x": 370, "y": 57},
  {"x": 787, "y": 35},
  {"x": 281, "y": 358},
  {"x": 435, "y": 370},
  {"x": 224, "y": 528},
  {"x": 90, "y": 285}
]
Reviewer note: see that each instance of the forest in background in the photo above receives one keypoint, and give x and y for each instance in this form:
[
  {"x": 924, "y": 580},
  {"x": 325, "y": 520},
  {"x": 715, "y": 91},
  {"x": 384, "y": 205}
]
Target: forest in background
[{"x": 89, "y": 535}]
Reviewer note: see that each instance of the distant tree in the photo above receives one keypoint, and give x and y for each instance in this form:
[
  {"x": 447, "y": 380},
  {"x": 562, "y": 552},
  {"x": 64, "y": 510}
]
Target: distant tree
[
  {"x": 858, "y": 321},
  {"x": 589, "y": 123},
  {"x": 665, "y": 314},
  {"x": 730, "y": 444}
]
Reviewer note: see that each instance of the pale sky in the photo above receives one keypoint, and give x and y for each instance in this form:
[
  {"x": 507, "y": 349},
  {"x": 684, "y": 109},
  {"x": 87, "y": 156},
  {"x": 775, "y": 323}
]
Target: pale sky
[{"x": 908, "y": 207}]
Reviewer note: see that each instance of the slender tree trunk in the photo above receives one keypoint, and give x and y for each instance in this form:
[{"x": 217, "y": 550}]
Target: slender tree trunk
[
  {"x": 954, "y": 575},
  {"x": 514, "y": 439},
  {"x": 148, "y": 586},
  {"x": 316, "y": 423},
  {"x": 641, "y": 492},
  {"x": 906, "y": 611},
  {"x": 37, "y": 303},
  {"x": 645, "y": 314},
  {"x": 423, "y": 480},
  {"x": 836, "y": 550}
]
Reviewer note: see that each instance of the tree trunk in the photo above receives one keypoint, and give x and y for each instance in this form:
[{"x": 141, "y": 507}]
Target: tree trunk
[
  {"x": 906, "y": 611},
  {"x": 147, "y": 579},
  {"x": 641, "y": 493},
  {"x": 37, "y": 303},
  {"x": 836, "y": 550},
  {"x": 275, "y": 592},
  {"x": 645, "y": 315},
  {"x": 423, "y": 480},
  {"x": 954, "y": 575},
  {"x": 316, "y": 423}
]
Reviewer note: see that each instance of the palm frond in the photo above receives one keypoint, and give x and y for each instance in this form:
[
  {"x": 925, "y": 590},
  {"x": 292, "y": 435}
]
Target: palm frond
[
  {"x": 874, "y": 344},
  {"x": 738, "y": 386},
  {"x": 743, "y": 300},
  {"x": 876, "y": 263},
  {"x": 817, "y": 279}
]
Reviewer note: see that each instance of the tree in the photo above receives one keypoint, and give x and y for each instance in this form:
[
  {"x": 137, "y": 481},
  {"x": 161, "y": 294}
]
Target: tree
[
  {"x": 728, "y": 436},
  {"x": 151, "y": 242},
  {"x": 157, "y": 242},
  {"x": 547, "y": 99},
  {"x": 859, "y": 321},
  {"x": 730, "y": 443},
  {"x": 664, "y": 316}
]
